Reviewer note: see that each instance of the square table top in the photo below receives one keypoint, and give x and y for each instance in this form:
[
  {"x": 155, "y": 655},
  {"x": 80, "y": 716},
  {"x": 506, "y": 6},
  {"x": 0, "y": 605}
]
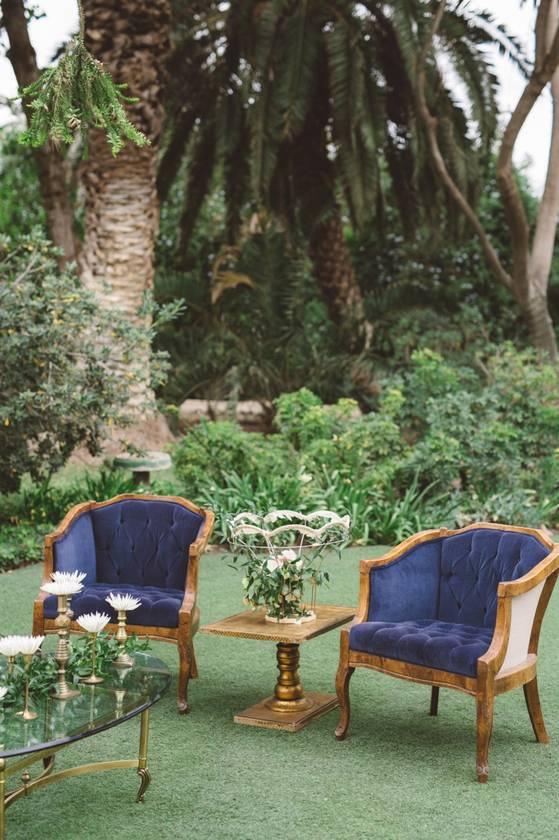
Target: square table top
[{"x": 252, "y": 624}]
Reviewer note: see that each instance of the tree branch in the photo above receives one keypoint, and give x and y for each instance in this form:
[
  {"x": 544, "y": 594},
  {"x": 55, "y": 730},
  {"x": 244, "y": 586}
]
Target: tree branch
[
  {"x": 510, "y": 194},
  {"x": 430, "y": 125},
  {"x": 546, "y": 224}
]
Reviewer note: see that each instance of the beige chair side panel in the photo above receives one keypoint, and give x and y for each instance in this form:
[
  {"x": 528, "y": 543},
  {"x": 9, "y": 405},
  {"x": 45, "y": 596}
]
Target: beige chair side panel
[{"x": 523, "y": 611}]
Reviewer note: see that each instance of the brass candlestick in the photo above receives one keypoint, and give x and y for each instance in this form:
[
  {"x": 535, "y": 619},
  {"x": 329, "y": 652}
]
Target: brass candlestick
[
  {"x": 123, "y": 660},
  {"x": 27, "y": 714},
  {"x": 62, "y": 654},
  {"x": 93, "y": 678}
]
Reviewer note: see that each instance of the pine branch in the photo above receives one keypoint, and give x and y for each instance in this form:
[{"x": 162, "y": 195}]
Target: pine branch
[{"x": 78, "y": 95}]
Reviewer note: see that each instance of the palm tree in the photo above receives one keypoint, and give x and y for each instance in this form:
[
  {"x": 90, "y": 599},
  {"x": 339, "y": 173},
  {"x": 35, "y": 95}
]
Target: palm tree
[
  {"x": 308, "y": 110},
  {"x": 121, "y": 203}
]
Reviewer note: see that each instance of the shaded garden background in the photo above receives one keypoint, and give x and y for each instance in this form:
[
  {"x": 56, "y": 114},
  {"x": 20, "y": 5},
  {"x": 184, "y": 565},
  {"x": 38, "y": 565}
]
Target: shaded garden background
[{"x": 290, "y": 199}]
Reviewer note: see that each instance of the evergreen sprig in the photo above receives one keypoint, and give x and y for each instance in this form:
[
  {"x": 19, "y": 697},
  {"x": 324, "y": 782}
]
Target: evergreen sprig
[{"x": 78, "y": 94}]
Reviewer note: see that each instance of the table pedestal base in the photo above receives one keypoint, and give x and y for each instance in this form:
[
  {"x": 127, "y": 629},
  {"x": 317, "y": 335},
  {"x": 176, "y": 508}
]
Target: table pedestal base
[
  {"x": 289, "y": 708},
  {"x": 262, "y": 715}
]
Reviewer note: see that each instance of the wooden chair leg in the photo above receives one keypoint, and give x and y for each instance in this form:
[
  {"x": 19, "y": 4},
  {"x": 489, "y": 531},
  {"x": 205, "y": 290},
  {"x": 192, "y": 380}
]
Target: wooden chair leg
[
  {"x": 485, "y": 701},
  {"x": 342, "y": 689},
  {"x": 186, "y": 662},
  {"x": 193, "y": 664},
  {"x": 535, "y": 711},
  {"x": 434, "y": 710}
]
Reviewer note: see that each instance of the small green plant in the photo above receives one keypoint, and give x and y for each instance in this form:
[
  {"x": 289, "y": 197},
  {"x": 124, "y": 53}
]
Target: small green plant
[{"x": 78, "y": 94}]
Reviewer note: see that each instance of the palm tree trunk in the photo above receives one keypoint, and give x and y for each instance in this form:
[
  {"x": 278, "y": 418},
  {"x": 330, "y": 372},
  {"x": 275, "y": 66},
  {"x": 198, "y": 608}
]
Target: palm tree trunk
[
  {"x": 540, "y": 325},
  {"x": 122, "y": 208},
  {"x": 335, "y": 277}
]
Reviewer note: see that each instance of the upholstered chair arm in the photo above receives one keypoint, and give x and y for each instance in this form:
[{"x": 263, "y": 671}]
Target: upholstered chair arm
[
  {"x": 521, "y": 605},
  {"x": 195, "y": 551}
]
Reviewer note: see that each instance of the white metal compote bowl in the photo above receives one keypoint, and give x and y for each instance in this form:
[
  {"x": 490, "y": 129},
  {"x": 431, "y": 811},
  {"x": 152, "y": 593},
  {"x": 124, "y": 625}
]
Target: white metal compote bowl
[{"x": 287, "y": 535}]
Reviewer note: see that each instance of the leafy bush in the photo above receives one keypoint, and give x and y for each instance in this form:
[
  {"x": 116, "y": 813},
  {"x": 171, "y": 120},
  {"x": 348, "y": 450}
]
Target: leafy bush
[
  {"x": 58, "y": 355},
  {"x": 448, "y": 444},
  {"x": 21, "y": 545}
]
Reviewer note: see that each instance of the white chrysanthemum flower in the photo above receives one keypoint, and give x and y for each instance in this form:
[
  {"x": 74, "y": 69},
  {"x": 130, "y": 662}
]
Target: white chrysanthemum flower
[
  {"x": 122, "y": 602},
  {"x": 62, "y": 587},
  {"x": 93, "y": 622},
  {"x": 3, "y": 692},
  {"x": 68, "y": 577},
  {"x": 9, "y": 645},
  {"x": 28, "y": 645}
]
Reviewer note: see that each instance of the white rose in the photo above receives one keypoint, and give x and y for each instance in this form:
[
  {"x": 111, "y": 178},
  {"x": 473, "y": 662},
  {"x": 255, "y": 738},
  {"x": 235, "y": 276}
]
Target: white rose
[
  {"x": 287, "y": 556},
  {"x": 273, "y": 563}
]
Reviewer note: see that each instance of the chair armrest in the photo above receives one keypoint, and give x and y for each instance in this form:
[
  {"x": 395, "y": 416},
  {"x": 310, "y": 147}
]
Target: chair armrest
[
  {"x": 195, "y": 551},
  {"x": 521, "y": 606}
]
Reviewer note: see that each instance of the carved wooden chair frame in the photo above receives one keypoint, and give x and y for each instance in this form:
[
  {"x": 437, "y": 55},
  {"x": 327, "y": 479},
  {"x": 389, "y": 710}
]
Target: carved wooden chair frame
[
  {"x": 189, "y": 614},
  {"x": 521, "y": 606}
]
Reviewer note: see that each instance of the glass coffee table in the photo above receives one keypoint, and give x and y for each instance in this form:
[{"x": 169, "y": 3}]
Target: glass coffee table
[
  {"x": 124, "y": 694},
  {"x": 289, "y": 708}
]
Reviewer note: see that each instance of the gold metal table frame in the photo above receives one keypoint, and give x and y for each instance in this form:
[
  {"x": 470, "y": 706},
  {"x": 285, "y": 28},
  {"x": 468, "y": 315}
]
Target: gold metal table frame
[
  {"x": 290, "y": 708},
  {"x": 47, "y": 777}
]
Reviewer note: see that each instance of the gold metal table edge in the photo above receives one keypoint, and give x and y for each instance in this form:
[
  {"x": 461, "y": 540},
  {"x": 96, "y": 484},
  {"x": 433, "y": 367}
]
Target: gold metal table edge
[{"x": 48, "y": 777}]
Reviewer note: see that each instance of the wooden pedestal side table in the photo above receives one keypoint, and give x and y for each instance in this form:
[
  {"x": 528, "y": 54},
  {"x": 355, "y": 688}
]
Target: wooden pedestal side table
[{"x": 289, "y": 707}]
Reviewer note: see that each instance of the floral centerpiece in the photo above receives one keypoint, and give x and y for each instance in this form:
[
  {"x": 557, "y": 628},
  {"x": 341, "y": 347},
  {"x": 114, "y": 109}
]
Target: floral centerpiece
[{"x": 281, "y": 553}]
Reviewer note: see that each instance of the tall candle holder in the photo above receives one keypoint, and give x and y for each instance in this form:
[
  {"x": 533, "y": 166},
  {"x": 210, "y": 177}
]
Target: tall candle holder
[
  {"x": 93, "y": 624},
  {"x": 29, "y": 645},
  {"x": 3, "y": 692},
  {"x": 64, "y": 586},
  {"x": 122, "y": 604}
]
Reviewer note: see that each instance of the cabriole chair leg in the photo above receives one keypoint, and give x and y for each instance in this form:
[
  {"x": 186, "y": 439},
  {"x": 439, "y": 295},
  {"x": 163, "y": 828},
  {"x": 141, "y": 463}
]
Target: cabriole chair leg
[
  {"x": 185, "y": 672},
  {"x": 485, "y": 704},
  {"x": 342, "y": 689},
  {"x": 532, "y": 696}
]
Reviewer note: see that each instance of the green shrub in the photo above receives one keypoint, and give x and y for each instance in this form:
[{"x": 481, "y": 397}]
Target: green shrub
[
  {"x": 213, "y": 450},
  {"x": 448, "y": 444},
  {"x": 21, "y": 545},
  {"x": 57, "y": 366}
]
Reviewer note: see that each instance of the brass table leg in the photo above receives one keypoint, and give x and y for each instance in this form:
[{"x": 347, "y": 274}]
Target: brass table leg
[
  {"x": 289, "y": 708},
  {"x": 143, "y": 771},
  {"x": 288, "y": 693},
  {"x": 2, "y": 795}
]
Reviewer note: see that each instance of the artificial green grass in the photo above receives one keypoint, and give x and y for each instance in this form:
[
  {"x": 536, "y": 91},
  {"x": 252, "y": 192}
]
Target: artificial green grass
[{"x": 401, "y": 774}]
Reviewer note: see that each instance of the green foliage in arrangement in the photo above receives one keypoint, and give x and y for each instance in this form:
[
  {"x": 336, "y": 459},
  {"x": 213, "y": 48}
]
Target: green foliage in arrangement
[
  {"x": 58, "y": 355},
  {"x": 43, "y": 668},
  {"x": 78, "y": 94}
]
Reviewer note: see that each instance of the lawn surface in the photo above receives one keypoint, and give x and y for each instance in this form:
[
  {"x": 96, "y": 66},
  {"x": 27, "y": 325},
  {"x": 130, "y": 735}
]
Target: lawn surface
[{"x": 401, "y": 774}]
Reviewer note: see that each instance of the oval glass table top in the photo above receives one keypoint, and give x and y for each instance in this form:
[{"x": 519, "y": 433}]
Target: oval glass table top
[{"x": 125, "y": 692}]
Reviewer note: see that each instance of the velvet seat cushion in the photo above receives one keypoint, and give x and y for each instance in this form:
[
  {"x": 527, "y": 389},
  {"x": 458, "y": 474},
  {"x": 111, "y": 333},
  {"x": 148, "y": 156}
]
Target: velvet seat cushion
[
  {"x": 159, "y": 608},
  {"x": 434, "y": 644}
]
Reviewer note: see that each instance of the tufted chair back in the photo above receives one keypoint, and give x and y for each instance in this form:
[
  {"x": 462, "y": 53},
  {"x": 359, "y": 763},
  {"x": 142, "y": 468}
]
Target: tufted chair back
[
  {"x": 141, "y": 542},
  {"x": 473, "y": 564},
  {"x": 453, "y": 578}
]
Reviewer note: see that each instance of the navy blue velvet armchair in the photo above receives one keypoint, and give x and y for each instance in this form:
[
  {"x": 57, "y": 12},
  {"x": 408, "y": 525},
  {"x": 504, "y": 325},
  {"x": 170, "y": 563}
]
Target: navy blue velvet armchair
[
  {"x": 149, "y": 546},
  {"x": 458, "y": 609}
]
